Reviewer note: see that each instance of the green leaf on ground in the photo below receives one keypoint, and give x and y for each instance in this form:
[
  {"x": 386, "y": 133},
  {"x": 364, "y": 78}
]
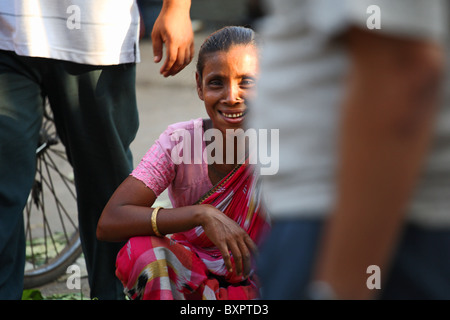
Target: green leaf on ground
[{"x": 32, "y": 294}]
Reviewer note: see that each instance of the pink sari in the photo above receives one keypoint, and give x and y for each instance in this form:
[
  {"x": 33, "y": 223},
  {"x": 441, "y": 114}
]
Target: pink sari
[{"x": 187, "y": 265}]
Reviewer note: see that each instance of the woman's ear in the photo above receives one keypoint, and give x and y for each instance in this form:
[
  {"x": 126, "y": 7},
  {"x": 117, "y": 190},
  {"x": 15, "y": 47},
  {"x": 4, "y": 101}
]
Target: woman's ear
[{"x": 198, "y": 80}]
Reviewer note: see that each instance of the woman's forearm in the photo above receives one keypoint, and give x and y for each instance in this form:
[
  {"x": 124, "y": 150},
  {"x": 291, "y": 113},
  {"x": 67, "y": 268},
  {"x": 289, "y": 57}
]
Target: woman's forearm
[
  {"x": 129, "y": 214},
  {"x": 132, "y": 220}
]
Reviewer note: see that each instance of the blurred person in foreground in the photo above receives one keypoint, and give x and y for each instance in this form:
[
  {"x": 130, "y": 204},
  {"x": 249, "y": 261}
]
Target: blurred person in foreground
[
  {"x": 360, "y": 204},
  {"x": 81, "y": 56}
]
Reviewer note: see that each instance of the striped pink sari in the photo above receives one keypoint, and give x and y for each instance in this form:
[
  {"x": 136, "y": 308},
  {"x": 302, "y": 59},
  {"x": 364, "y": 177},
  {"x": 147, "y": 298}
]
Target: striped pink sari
[{"x": 187, "y": 265}]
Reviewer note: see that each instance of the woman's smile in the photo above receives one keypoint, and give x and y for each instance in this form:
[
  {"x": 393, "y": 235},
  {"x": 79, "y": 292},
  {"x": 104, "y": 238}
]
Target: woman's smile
[{"x": 234, "y": 116}]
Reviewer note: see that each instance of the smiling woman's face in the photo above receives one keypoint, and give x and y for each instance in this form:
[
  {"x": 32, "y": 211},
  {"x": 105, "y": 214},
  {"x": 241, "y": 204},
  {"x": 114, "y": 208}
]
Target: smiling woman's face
[{"x": 228, "y": 79}]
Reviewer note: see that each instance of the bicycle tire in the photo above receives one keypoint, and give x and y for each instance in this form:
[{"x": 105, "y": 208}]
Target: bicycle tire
[
  {"x": 50, "y": 215},
  {"x": 55, "y": 268}
]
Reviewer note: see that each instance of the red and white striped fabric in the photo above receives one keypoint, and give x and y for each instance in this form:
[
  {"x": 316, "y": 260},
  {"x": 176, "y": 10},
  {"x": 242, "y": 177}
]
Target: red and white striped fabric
[{"x": 187, "y": 265}]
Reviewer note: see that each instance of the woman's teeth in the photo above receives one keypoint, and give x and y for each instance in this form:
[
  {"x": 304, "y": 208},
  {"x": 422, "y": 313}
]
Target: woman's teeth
[{"x": 233, "y": 115}]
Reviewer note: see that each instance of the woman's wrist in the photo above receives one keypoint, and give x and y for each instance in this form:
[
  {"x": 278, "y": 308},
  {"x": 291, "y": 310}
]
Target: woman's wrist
[{"x": 201, "y": 214}]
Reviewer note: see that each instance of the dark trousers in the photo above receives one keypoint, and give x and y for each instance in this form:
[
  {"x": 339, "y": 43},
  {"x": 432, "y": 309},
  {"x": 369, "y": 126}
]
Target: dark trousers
[
  {"x": 420, "y": 267},
  {"x": 96, "y": 117}
]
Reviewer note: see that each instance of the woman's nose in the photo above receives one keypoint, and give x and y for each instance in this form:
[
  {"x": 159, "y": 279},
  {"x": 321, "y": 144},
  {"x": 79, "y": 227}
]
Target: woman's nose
[{"x": 233, "y": 95}]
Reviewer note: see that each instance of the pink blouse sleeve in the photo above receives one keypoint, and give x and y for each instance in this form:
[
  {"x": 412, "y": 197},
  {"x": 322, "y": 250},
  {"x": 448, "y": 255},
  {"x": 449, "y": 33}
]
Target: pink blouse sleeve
[{"x": 156, "y": 169}]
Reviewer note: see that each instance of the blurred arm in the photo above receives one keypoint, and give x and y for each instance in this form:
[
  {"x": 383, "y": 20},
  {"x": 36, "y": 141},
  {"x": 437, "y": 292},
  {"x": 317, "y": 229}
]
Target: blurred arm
[{"x": 386, "y": 126}]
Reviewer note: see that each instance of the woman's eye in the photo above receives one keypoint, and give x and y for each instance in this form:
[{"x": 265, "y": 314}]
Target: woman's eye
[
  {"x": 215, "y": 83},
  {"x": 248, "y": 82}
]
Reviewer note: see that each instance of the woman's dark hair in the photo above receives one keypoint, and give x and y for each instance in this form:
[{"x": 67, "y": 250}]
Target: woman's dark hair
[{"x": 222, "y": 40}]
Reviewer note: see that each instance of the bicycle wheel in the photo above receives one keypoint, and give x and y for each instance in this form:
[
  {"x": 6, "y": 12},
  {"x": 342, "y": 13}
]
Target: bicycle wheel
[{"x": 50, "y": 215}]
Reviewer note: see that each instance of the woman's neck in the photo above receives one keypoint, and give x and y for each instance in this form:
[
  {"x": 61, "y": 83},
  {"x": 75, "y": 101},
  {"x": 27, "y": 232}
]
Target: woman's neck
[{"x": 230, "y": 144}]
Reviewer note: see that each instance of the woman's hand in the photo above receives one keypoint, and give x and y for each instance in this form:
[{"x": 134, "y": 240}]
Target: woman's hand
[
  {"x": 127, "y": 214},
  {"x": 228, "y": 236}
]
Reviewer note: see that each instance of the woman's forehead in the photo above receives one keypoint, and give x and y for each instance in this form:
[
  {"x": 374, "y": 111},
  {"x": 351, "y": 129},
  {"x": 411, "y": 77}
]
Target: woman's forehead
[{"x": 239, "y": 58}]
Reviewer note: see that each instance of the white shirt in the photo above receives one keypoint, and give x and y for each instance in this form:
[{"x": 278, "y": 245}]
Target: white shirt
[{"x": 95, "y": 32}]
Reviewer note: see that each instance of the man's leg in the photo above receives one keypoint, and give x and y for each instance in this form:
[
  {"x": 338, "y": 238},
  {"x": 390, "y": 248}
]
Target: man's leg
[
  {"x": 21, "y": 107},
  {"x": 286, "y": 259},
  {"x": 96, "y": 117}
]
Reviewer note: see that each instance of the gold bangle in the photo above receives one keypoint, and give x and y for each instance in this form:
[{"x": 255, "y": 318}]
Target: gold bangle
[{"x": 154, "y": 226}]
